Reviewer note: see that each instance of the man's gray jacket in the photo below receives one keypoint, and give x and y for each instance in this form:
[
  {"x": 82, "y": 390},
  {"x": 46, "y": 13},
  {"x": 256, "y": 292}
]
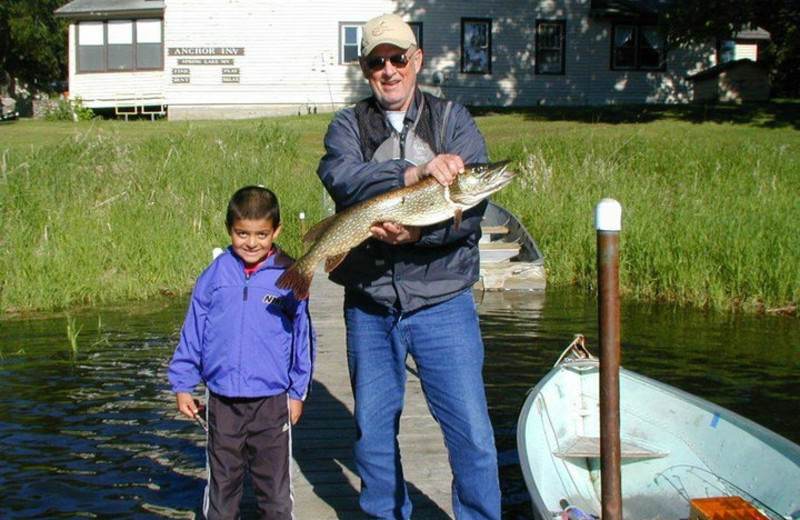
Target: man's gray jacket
[{"x": 365, "y": 157}]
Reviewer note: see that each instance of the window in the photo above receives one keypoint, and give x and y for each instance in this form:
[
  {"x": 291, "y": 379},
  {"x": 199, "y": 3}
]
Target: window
[
  {"x": 550, "y": 43},
  {"x": 476, "y": 45},
  {"x": 417, "y": 28},
  {"x": 91, "y": 47},
  {"x": 726, "y": 51},
  {"x": 637, "y": 47},
  {"x": 120, "y": 45},
  {"x": 350, "y": 37},
  {"x": 148, "y": 44}
]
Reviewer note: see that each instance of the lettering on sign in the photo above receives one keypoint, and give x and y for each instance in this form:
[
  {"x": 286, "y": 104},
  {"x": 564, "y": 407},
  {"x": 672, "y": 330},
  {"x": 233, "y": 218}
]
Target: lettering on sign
[
  {"x": 205, "y": 61},
  {"x": 223, "y": 57},
  {"x": 205, "y": 51}
]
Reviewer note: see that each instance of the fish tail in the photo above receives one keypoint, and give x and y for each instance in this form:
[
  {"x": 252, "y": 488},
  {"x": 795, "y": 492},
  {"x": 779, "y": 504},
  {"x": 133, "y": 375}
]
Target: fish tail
[{"x": 297, "y": 279}]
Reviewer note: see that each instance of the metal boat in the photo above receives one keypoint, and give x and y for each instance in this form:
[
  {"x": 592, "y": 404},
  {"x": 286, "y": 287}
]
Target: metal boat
[
  {"x": 677, "y": 450},
  {"x": 510, "y": 258}
]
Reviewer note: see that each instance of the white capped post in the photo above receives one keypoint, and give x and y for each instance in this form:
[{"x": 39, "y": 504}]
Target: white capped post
[
  {"x": 608, "y": 215},
  {"x": 608, "y": 222}
]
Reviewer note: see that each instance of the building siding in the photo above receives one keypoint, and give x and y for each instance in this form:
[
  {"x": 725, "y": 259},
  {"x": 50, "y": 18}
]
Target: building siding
[
  {"x": 746, "y": 51},
  {"x": 734, "y": 82},
  {"x": 284, "y": 58}
]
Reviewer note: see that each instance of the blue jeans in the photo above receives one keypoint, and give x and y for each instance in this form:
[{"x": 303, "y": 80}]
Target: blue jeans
[{"x": 445, "y": 342}]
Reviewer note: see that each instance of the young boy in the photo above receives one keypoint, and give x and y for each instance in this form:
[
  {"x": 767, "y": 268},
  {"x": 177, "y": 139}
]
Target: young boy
[{"x": 253, "y": 346}]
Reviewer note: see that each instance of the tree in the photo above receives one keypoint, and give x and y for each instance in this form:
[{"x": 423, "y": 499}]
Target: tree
[
  {"x": 33, "y": 43},
  {"x": 693, "y": 21}
]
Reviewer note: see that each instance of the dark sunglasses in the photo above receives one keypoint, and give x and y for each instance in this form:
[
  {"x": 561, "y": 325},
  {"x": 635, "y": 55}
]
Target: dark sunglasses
[{"x": 378, "y": 62}]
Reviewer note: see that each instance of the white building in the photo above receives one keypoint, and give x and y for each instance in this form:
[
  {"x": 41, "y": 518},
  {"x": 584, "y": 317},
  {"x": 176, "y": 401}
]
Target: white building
[{"x": 249, "y": 58}]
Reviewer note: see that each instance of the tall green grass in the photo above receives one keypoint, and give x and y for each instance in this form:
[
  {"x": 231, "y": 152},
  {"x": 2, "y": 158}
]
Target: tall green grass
[
  {"x": 102, "y": 216},
  {"x": 108, "y": 211},
  {"x": 710, "y": 210}
]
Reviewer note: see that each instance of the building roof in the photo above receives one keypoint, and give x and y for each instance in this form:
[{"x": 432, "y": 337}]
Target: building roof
[
  {"x": 110, "y": 8},
  {"x": 716, "y": 70},
  {"x": 752, "y": 34}
]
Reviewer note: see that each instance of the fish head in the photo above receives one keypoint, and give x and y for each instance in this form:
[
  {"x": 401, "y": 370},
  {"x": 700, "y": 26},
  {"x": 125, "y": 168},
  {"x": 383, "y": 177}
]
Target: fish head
[{"x": 478, "y": 181}]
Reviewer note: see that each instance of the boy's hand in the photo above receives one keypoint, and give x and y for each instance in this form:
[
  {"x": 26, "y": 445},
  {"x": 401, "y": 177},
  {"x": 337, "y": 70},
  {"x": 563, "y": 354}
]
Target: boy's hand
[
  {"x": 186, "y": 404},
  {"x": 295, "y": 410}
]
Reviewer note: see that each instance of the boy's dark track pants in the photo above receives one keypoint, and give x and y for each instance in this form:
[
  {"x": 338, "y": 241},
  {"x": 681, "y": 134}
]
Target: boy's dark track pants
[{"x": 254, "y": 434}]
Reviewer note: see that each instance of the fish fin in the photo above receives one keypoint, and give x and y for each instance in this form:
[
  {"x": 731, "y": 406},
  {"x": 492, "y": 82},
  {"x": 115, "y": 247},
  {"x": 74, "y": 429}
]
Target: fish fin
[
  {"x": 457, "y": 217},
  {"x": 332, "y": 262},
  {"x": 295, "y": 279},
  {"x": 318, "y": 229}
]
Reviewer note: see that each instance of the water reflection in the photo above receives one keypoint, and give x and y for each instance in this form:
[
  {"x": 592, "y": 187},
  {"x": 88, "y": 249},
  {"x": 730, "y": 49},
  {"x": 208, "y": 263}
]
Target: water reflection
[
  {"x": 94, "y": 434},
  {"x": 90, "y": 435}
]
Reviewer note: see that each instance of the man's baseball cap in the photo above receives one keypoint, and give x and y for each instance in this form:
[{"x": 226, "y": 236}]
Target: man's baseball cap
[{"x": 387, "y": 28}]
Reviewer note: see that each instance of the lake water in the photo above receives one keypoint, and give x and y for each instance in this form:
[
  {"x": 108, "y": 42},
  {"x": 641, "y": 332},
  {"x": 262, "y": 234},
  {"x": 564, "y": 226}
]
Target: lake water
[{"x": 93, "y": 433}]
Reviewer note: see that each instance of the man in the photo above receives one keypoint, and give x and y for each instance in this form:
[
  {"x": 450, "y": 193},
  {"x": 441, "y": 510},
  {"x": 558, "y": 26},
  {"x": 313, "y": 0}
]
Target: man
[{"x": 408, "y": 289}]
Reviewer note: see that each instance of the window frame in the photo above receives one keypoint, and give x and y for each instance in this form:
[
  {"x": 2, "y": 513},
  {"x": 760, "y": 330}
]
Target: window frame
[
  {"x": 540, "y": 49},
  {"x": 417, "y": 28},
  {"x": 344, "y": 26},
  {"x": 638, "y": 48},
  {"x": 88, "y": 61},
  {"x": 483, "y": 51}
]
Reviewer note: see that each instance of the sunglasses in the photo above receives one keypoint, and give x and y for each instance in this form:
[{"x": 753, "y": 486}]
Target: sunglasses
[{"x": 378, "y": 62}]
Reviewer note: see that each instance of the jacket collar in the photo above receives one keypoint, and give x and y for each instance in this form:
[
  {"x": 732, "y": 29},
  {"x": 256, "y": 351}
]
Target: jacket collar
[{"x": 278, "y": 259}]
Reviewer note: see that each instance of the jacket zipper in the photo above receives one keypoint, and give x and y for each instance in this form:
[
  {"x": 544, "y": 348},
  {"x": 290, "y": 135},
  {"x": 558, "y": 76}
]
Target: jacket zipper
[
  {"x": 241, "y": 325},
  {"x": 402, "y": 138}
]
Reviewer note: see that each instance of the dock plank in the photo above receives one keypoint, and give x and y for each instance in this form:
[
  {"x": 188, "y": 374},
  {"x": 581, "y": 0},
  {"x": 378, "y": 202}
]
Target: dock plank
[{"x": 325, "y": 483}]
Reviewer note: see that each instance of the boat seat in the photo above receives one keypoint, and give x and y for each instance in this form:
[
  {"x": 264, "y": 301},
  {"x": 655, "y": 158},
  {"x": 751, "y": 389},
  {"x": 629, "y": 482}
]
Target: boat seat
[
  {"x": 487, "y": 232},
  {"x": 501, "y": 246},
  {"x": 494, "y": 252},
  {"x": 494, "y": 230},
  {"x": 589, "y": 447}
]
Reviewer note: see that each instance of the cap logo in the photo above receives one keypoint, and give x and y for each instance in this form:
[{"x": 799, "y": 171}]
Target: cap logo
[{"x": 380, "y": 29}]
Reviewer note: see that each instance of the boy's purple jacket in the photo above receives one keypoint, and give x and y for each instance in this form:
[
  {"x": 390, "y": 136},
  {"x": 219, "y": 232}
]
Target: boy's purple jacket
[{"x": 244, "y": 337}]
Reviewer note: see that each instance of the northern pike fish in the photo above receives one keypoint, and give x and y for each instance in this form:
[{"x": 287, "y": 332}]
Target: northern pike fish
[{"x": 422, "y": 204}]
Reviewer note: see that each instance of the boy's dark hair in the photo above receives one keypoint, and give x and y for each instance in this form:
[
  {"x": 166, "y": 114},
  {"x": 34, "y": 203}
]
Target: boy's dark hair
[{"x": 253, "y": 203}]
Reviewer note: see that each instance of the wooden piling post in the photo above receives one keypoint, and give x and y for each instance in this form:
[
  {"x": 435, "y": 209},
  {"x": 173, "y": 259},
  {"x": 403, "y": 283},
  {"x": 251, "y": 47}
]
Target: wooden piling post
[{"x": 608, "y": 223}]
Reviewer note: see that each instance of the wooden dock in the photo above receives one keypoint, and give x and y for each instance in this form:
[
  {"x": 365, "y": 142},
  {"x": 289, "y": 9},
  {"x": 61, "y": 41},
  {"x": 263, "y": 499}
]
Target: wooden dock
[{"x": 326, "y": 485}]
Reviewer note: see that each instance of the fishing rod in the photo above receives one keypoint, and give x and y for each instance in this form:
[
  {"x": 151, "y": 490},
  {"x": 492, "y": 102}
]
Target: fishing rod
[{"x": 201, "y": 408}]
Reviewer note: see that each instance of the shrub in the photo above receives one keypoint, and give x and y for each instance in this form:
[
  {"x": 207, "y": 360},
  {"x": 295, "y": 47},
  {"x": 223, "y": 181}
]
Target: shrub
[{"x": 69, "y": 110}]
